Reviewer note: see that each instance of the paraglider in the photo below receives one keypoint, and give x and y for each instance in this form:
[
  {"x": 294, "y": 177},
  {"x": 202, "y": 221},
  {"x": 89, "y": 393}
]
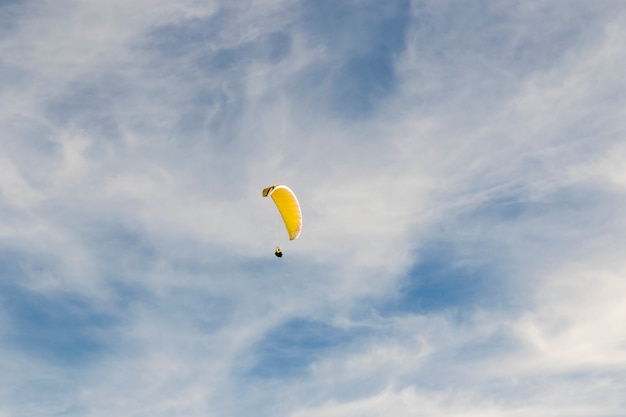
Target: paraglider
[{"x": 289, "y": 209}]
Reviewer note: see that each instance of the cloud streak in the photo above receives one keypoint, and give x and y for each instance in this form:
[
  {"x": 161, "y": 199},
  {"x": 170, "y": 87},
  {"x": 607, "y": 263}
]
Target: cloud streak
[{"x": 460, "y": 169}]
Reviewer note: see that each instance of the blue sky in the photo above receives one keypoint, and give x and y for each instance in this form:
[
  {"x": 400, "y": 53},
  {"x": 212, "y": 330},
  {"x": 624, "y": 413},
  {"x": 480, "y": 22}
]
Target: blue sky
[{"x": 461, "y": 170}]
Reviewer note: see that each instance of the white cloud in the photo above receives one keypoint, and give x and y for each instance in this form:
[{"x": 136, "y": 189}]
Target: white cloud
[
  {"x": 138, "y": 137},
  {"x": 14, "y": 188},
  {"x": 577, "y": 324}
]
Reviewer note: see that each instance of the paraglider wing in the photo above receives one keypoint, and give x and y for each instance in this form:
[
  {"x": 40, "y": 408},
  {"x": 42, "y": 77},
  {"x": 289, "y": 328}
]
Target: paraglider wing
[{"x": 288, "y": 207}]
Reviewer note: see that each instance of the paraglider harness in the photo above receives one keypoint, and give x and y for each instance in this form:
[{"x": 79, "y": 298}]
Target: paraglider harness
[{"x": 278, "y": 253}]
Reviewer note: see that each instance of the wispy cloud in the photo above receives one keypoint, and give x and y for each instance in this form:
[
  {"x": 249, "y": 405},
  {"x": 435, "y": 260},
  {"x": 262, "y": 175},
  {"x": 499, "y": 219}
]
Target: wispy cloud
[{"x": 460, "y": 169}]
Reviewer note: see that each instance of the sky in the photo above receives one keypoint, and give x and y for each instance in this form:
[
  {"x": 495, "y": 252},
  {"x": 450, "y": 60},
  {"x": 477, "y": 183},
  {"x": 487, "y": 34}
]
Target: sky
[{"x": 461, "y": 169}]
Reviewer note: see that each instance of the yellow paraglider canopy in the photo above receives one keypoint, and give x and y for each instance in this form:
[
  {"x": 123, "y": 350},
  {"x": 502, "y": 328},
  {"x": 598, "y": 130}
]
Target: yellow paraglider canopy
[{"x": 288, "y": 206}]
